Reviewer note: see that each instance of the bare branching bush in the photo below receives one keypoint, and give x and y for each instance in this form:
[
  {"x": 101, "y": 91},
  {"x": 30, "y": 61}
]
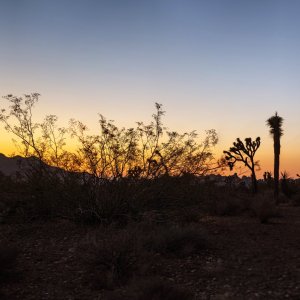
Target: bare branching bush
[
  {"x": 110, "y": 173},
  {"x": 22, "y": 125},
  {"x": 174, "y": 154},
  {"x": 44, "y": 141},
  {"x": 148, "y": 151},
  {"x": 43, "y": 144}
]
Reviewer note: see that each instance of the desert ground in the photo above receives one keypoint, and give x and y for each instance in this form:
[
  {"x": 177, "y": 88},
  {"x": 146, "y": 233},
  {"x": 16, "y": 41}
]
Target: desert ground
[{"x": 238, "y": 257}]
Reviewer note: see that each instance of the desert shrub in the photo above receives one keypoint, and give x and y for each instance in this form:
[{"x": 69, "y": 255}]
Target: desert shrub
[
  {"x": 113, "y": 257},
  {"x": 177, "y": 241},
  {"x": 151, "y": 289},
  {"x": 228, "y": 204},
  {"x": 169, "y": 195},
  {"x": 264, "y": 207},
  {"x": 226, "y": 207},
  {"x": 8, "y": 257},
  {"x": 7, "y": 206},
  {"x": 12, "y": 195},
  {"x": 136, "y": 164},
  {"x": 93, "y": 200},
  {"x": 42, "y": 198},
  {"x": 7, "y": 184},
  {"x": 187, "y": 215},
  {"x": 288, "y": 186},
  {"x": 106, "y": 203},
  {"x": 126, "y": 199}
]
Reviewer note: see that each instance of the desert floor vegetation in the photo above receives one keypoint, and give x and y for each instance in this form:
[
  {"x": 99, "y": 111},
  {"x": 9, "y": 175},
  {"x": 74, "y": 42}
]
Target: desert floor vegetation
[
  {"x": 140, "y": 213},
  {"x": 218, "y": 244}
]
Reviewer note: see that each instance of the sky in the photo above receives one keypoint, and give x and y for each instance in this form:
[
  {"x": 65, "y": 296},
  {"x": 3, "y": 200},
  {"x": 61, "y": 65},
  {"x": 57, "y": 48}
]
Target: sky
[{"x": 222, "y": 64}]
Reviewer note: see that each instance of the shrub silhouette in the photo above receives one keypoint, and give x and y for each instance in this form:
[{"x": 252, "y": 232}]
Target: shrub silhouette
[
  {"x": 268, "y": 178},
  {"x": 141, "y": 152},
  {"x": 264, "y": 207},
  {"x": 91, "y": 180},
  {"x": 114, "y": 257},
  {"x": 287, "y": 186},
  {"x": 177, "y": 241},
  {"x": 147, "y": 151}
]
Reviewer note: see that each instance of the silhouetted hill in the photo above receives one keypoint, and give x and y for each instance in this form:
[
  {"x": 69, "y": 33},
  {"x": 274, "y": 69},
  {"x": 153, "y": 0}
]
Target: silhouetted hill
[{"x": 10, "y": 166}]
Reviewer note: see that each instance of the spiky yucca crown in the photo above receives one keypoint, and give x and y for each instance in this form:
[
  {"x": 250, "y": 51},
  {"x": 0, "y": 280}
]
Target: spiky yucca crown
[{"x": 275, "y": 124}]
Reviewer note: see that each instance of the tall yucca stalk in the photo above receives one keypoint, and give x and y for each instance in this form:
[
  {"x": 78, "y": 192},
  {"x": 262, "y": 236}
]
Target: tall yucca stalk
[{"x": 275, "y": 124}]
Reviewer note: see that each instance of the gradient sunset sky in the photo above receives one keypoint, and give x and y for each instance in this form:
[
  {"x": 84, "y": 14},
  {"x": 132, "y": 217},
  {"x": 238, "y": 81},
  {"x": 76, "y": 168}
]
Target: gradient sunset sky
[{"x": 223, "y": 64}]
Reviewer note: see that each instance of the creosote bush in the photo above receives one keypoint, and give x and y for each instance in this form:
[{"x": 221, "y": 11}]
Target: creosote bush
[
  {"x": 147, "y": 151},
  {"x": 229, "y": 204},
  {"x": 118, "y": 257},
  {"x": 114, "y": 256},
  {"x": 264, "y": 207},
  {"x": 117, "y": 173},
  {"x": 177, "y": 241}
]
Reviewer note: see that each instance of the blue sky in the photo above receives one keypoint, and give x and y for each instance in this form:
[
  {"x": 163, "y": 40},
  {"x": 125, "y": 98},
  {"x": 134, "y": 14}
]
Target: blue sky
[{"x": 224, "y": 64}]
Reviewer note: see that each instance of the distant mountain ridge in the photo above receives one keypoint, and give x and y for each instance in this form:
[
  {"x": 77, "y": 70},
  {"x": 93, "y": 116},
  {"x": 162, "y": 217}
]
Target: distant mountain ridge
[{"x": 10, "y": 166}]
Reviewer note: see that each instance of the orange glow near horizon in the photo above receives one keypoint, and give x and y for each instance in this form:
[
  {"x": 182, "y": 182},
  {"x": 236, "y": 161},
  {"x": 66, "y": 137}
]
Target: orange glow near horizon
[
  {"x": 264, "y": 155},
  {"x": 289, "y": 160}
]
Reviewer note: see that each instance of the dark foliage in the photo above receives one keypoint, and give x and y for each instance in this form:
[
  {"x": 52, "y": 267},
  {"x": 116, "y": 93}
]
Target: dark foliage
[
  {"x": 177, "y": 241},
  {"x": 113, "y": 258},
  {"x": 288, "y": 186}
]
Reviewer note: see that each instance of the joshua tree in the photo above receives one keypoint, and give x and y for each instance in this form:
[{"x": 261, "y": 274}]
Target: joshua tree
[
  {"x": 244, "y": 153},
  {"x": 275, "y": 124}
]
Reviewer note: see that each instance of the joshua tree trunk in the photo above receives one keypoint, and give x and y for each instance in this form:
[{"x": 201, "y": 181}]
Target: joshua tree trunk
[
  {"x": 276, "y": 165},
  {"x": 275, "y": 124},
  {"x": 254, "y": 182}
]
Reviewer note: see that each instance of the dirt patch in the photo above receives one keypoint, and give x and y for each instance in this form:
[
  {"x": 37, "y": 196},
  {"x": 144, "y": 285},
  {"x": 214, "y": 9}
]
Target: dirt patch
[{"x": 244, "y": 260}]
